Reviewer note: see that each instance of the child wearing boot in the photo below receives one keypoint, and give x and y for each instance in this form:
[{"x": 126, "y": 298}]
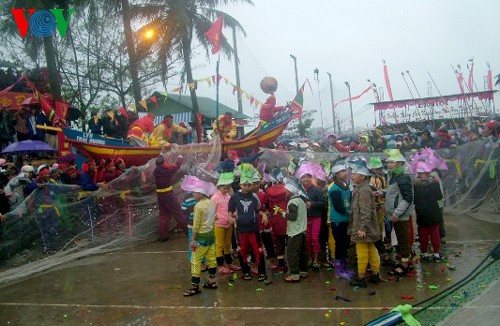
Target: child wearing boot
[
  {"x": 363, "y": 225},
  {"x": 296, "y": 216},
  {"x": 203, "y": 243},
  {"x": 339, "y": 198}
]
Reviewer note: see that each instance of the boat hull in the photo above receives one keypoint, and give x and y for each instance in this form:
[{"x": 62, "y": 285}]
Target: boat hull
[{"x": 99, "y": 147}]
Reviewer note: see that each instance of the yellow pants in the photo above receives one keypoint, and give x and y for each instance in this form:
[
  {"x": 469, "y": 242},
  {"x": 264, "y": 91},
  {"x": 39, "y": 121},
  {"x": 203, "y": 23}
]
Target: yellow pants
[
  {"x": 331, "y": 242},
  {"x": 197, "y": 257},
  {"x": 367, "y": 252},
  {"x": 223, "y": 240}
]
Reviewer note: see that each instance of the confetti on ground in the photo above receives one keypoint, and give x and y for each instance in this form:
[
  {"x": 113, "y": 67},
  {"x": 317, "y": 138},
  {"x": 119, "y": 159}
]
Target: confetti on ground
[
  {"x": 327, "y": 315},
  {"x": 385, "y": 308},
  {"x": 328, "y": 282},
  {"x": 235, "y": 276},
  {"x": 230, "y": 284},
  {"x": 342, "y": 323},
  {"x": 433, "y": 287},
  {"x": 333, "y": 289},
  {"x": 420, "y": 286},
  {"x": 342, "y": 299},
  {"x": 443, "y": 269},
  {"x": 329, "y": 269},
  {"x": 482, "y": 286},
  {"x": 458, "y": 297},
  {"x": 346, "y": 311},
  {"x": 452, "y": 268},
  {"x": 449, "y": 280},
  {"x": 407, "y": 297},
  {"x": 259, "y": 290}
]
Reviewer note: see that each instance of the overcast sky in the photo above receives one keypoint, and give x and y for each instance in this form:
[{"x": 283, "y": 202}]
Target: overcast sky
[{"x": 349, "y": 39}]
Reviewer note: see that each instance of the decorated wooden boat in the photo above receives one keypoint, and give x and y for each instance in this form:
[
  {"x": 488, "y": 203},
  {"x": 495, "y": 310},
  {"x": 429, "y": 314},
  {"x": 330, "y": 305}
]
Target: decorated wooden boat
[{"x": 100, "y": 147}]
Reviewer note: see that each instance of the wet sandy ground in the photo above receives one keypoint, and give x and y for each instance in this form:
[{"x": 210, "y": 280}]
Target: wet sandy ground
[{"x": 144, "y": 285}]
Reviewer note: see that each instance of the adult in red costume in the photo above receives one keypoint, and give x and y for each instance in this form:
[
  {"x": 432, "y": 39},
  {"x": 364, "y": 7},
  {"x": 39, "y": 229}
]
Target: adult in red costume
[
  {"x": 167, "y": 201},
  {"x": 139, "y": 130}
]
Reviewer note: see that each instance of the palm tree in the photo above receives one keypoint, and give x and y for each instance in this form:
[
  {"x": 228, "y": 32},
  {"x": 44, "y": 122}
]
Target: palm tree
[{"x": 178, "y": 22}]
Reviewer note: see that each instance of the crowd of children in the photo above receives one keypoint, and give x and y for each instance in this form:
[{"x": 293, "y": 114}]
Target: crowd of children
[{"x": 280, "y": 216}]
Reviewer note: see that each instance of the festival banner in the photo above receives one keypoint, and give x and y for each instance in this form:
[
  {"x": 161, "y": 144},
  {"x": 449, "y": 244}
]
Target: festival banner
[
  {"x": 387, "y": 83},
  {"x": 460, "y": 79},
  {"x": 490, "y": 79},
  {"x": 432, "y": 101},
  {"x": 470, "y": 81},
  {"x": 354, "y": 97}
]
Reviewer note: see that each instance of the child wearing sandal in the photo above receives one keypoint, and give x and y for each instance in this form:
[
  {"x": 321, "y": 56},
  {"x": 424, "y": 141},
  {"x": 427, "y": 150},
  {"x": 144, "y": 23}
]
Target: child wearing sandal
[
  {"x": 244, "y": 206},
  {"x": 296, "y": 216},
  {"x": 203, "y": 243},
  {"x": 363, "y": 225},
  {"x": 223, "y": 224},
  {"x": 399, "y": 206}
]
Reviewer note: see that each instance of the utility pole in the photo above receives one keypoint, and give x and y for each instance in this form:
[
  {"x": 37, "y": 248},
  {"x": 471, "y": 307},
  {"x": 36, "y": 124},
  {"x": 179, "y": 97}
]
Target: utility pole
[
  {"x": 238, "y": 90},
  {"x": 350, "y": 105},
  {"x": 296, "y": 84},
  {"x": 316, "y": 76},
  {"x": 333, "y": 106}
]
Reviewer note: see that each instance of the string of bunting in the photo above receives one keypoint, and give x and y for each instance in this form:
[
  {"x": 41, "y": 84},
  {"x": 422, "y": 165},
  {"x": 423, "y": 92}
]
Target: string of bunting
[{"x": 194, "y": 85}]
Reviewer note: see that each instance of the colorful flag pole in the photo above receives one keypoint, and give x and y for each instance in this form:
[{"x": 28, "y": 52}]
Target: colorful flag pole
[
  {"x": 490, "y": 78},
  {"x": 217, "y": 91},
  {"x": 214, "y": 35},
  {"x": 387, "y": 83}
]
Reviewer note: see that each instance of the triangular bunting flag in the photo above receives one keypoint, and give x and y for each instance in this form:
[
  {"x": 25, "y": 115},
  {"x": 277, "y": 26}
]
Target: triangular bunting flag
[
  {"x": 144, "y": 104},
  {"x": 154, "y": 100}
]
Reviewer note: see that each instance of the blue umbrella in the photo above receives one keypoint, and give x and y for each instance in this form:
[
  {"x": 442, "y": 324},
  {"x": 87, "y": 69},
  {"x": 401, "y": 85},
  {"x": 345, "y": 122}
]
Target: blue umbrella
[{"x": 28, "y": 146}]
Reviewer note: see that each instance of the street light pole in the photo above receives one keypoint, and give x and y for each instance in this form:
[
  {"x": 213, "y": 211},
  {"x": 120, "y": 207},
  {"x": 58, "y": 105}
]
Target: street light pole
[
  {"x": 316, "y": 77},
  {"x": 333, "y": 108},
  {"x": 296, "y": 83},
  {"x": 350, "y": 104}
]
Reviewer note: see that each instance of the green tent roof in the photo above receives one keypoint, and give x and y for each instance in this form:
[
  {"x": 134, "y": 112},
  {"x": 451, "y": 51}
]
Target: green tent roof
[{"x": 174, "y": 104}]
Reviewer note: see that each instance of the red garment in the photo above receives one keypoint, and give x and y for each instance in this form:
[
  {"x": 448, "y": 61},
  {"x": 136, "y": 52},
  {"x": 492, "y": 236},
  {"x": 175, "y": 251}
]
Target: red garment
[
  {"x": 276, "y": 195},
  {"x": 341, "y": 148},
  {"x": 263, "y": 202},
  {"x": 269, "y": 109},
  {"x": 140, "y": 127},
  {"x": 429, "y": 232}
]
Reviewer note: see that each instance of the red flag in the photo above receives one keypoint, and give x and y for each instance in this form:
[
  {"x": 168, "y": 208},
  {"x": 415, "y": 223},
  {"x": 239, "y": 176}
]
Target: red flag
[
  {"x": 214, "y": 34},
  {"x": 61, "y": 109},
  {"x": 490, "y": 79},
  {"x": 354, "y": 97},
  {"x": 460, "y": 79},
  {"x": 387, "y": 83},
  {"x": 471, "y": 77},
  {"x": 154, "y": 100}
]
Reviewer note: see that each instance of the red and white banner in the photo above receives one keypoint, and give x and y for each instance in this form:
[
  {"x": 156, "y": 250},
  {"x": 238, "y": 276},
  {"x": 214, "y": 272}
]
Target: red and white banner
[
  {"x": 354, "y": 97},
  {"x": 470, "y": 81},
  {"x": 431, "y": 101},
  {"x": 387, "y": 83}
]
